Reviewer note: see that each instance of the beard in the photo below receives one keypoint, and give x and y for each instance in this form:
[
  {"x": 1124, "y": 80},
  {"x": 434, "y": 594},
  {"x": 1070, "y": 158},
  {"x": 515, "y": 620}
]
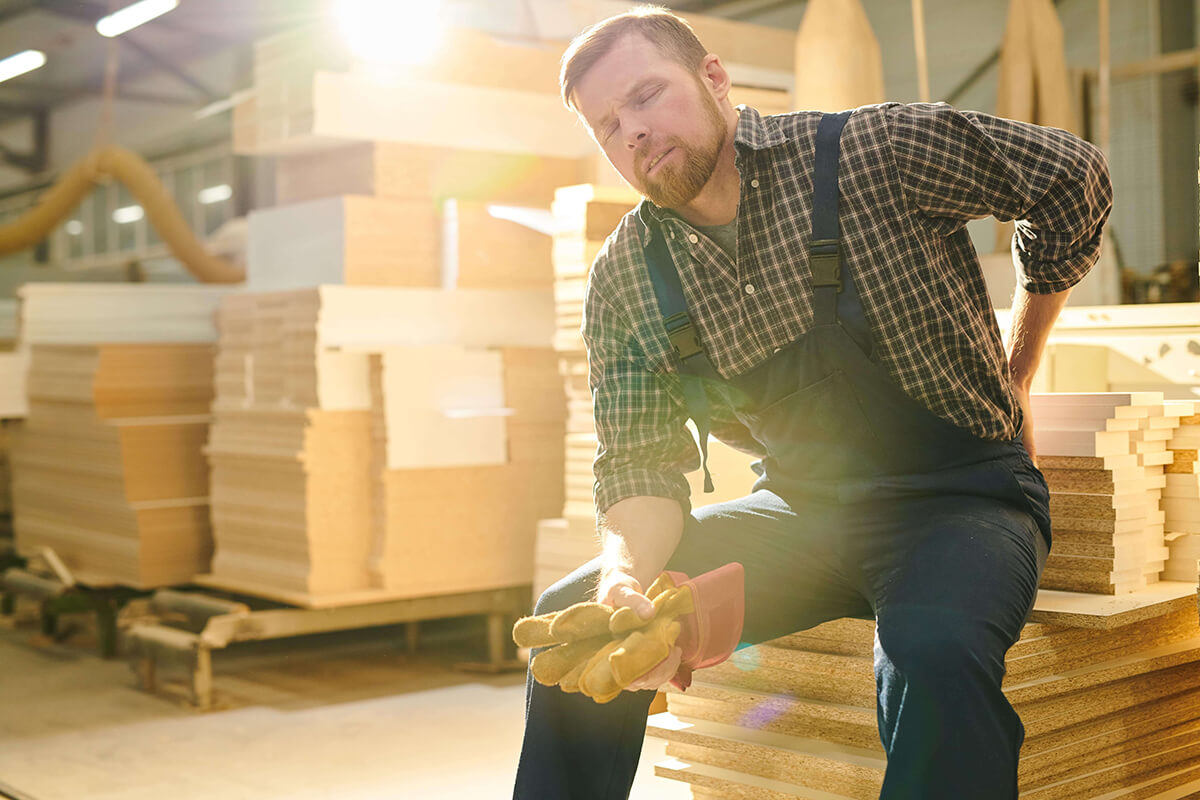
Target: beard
[{"x": 677, "y": 185}]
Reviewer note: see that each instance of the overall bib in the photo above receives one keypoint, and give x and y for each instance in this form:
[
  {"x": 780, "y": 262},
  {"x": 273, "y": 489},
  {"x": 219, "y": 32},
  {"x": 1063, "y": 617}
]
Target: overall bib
[{"x": 867, "y": 505}]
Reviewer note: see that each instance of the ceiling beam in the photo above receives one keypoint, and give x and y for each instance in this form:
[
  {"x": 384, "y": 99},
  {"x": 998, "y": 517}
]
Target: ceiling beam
[
  {"x": 10, "y": 9},
  {"x": 87, "y": 13},
  {"x": 54, "y": 93}
]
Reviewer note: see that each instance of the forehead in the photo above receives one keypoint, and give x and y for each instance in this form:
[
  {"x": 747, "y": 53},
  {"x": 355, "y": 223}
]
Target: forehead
[{"x": 630, "y": 61}]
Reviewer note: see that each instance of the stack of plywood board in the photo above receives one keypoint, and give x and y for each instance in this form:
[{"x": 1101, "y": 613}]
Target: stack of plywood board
[
  {"x": 466, "y": 469},
  {"x": 108, "y": 468},
  {"x": 583, "y": 217},
  {"x": 491, "y": 95},
  {"x": 1108, "y": 689},
  {"x": 1103, "y": 455},
  {"x": 398, "y": 241},
  {"x": 1181, "y": 501},
  {"x": 370, "y": 438}
]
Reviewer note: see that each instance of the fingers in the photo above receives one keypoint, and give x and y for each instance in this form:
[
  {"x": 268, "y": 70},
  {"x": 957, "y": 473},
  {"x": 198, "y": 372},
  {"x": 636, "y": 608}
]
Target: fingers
[
  {"x": 628, "y": 594},
  {"x": 660, "y": 674}
]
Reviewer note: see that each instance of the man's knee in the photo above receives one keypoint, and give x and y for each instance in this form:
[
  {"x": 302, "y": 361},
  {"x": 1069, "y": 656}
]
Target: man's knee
[
  {"x": 574, "y": 588},
  {"x": 937, "y": 644}
]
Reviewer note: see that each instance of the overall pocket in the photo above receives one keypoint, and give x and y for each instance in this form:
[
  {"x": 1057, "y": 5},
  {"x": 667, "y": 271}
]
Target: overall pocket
[{"x": 818, "y": 431}]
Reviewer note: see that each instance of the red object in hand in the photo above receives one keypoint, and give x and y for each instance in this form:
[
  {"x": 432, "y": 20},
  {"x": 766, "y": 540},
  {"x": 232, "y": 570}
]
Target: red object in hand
[{"x": 713, "y": 631}]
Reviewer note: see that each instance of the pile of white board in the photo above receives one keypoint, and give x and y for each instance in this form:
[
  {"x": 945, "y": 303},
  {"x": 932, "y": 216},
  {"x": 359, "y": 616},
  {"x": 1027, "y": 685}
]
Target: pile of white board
[{"x": 1103, "y": 455}]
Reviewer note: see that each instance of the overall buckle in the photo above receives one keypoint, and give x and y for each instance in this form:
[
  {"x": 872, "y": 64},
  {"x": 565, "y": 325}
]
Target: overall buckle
[
  {"x": 683, "y": 335},
  {"x": 825, "y": 263}
]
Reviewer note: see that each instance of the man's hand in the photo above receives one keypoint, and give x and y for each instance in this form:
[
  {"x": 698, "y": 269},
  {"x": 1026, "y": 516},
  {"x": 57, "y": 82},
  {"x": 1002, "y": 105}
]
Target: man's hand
[
  {"x": 1022, "y": 396},
  {"x": 620, "y": 591}
]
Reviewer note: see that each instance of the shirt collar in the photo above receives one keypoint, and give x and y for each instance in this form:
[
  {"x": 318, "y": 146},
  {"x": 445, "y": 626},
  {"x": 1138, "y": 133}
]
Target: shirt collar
[{"x": 753, "y": 132}]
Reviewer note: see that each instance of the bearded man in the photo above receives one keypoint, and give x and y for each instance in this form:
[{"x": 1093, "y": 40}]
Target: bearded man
[{"x": 804, "y": 286}]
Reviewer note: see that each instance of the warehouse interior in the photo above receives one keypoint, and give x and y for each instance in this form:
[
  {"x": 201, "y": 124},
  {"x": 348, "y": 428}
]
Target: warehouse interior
[{"x": 295, "y": 419}]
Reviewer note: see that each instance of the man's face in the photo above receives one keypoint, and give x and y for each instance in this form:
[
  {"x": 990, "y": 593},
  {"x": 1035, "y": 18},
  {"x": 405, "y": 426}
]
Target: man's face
[{"x": 658, "y": 124}]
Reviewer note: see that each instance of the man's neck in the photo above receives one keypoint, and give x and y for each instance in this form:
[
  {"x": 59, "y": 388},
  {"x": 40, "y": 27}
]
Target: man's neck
[{"x": 717, "y": 203}]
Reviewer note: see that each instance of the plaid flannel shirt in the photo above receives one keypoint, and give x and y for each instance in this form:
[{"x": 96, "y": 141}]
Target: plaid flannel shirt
[{"x": 910, "y": 177}]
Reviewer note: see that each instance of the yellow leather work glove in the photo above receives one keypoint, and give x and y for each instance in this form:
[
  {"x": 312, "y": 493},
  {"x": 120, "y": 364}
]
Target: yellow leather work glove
[{"x": 599, "y": 651}]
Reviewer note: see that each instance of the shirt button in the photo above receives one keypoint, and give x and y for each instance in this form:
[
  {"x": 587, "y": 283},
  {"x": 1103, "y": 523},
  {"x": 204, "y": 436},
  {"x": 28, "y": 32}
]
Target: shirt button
[
  {"x": 749, "y": 288},
  {"x": 754, "y": 183},
  {"x": 693, "y": 238}
]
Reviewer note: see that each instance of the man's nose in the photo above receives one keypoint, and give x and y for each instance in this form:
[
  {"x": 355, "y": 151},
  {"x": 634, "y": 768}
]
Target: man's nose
[{"x": 635, "y": 133}]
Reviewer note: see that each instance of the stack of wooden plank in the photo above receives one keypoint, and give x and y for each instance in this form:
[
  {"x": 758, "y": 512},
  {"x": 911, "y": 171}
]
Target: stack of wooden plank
[
  {"x": 466, "y": 470},
  {"x": 108, "y": 469},
  {"x": 1103, "y": 455},
  {"x": 371, "y": 438},
  {"x": 1108, "y": 690},
  {"x": 1181, "y": 501},
  {"x": 492, "y": 95}
]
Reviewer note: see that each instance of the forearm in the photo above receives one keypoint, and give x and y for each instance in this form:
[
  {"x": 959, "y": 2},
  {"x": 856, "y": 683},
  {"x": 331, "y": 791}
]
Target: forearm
[
  {"x": 639, "y": 536},
  {"x": 1033, "y": 315}
]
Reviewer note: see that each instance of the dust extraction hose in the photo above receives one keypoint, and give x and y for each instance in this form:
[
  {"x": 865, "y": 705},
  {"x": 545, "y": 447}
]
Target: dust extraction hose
[{"x": 137, "y": 176}]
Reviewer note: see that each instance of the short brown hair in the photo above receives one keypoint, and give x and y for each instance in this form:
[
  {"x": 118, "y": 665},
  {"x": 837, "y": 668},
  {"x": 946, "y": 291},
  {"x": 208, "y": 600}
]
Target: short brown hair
[{"x": 672, "y": 35}]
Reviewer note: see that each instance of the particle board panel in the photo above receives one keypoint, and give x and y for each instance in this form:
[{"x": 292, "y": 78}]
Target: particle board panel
[
  {"x": 414, "y": 172},
  {"x": 351, "y": 240}
]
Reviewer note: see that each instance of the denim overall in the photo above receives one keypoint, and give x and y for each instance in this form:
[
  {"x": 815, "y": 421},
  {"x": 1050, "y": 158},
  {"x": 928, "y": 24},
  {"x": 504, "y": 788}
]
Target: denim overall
[{"x": 868, "y": 505}]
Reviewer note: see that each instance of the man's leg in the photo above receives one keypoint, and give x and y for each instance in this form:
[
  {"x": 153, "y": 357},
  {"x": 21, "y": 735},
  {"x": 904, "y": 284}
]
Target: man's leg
[
  {"x": 953, "y": 579},
  {"x": 575, "y": 749}
]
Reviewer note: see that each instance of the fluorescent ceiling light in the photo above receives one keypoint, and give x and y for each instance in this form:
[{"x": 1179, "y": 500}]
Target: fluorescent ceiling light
[
  {"x": 215, "y": 194},
  {"x": 127, "y": 214},
  {"x": 132, "y": 16},
  {"x": 74, "y": 227},
  {"x": 19, "y": 64}
]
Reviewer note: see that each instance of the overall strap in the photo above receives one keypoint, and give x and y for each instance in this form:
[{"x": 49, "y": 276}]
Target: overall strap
[
  {"x": 824, "y": 251},
  {"x": 684, "y": 338}
]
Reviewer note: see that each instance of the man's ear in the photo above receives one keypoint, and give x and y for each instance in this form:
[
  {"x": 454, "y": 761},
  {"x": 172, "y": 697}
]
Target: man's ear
[{"x": 713, "y": 73}]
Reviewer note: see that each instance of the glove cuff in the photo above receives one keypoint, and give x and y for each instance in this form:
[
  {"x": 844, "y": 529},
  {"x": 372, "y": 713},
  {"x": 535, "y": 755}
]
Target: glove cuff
[{"x": 711, "y": 633}]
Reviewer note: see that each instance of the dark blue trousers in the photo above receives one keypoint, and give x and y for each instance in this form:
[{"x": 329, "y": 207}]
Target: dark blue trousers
[{"x": 950, "y": 580}]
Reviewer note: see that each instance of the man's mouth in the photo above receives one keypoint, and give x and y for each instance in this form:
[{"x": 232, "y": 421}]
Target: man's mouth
[{"x": 657, "y": 159}]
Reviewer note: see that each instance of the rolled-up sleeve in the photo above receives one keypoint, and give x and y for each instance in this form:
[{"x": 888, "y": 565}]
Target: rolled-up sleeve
[
  {"x": 961, "y": 165},
  {"x": 644, "y": 445}
]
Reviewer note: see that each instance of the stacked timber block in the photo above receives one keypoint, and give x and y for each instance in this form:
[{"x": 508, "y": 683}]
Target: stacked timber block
[
  {"x": 1181, "y": 501},
  {"x": 1103, "y": 455},
  {"x": 372, "y": 439},
  {"x": 489, "y": 94},
  {"x": 108, "y": 468},
  {"x": 1108, "y": 690}
]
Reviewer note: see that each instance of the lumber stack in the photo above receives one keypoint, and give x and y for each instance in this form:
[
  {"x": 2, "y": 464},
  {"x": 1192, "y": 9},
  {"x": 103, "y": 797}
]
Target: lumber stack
[
  {"x": 1110, "y": 703},
  {"x": 1103, "y": 455},
  {"x": 496, "y": 95},
  {"x": 108, "y": 468},
  {"x": 372, "y": 438},
  {"x": 1181, "y": 501}
]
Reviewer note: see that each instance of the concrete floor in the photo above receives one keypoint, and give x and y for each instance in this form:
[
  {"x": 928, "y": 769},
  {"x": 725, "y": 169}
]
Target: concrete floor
[{"x": 345, "y": 716}]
